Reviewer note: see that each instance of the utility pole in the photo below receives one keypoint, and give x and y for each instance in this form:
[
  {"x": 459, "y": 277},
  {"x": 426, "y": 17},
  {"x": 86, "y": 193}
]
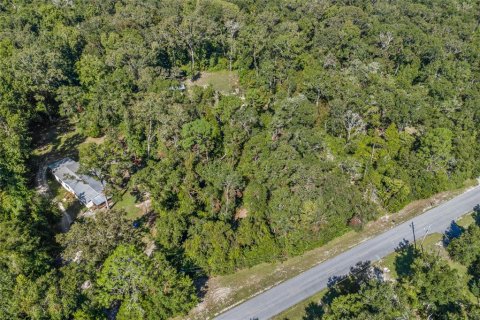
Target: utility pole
[{"x": 414, "y": 239}]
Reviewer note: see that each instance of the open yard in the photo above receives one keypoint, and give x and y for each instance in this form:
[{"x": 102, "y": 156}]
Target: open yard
[
  {"x": 129, "y": 204},
  {"x": 223, "y": 81},
  {"x": 57, "y": 142}
]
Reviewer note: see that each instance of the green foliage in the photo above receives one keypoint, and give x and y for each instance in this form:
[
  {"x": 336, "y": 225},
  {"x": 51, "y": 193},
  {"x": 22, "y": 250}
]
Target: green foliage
[
  {"x": 430, "y": 289},
  {"x": 199, "y": 136},
  {"x": 145, "y": 287},
  {"x": 209, "y": 246},
  {"x": 434, "y": 286},
  {"x": 90, "y": 241},
  {"x": 343, "y": 109},
  {"x": 108, "y": 162},
  {"x": 466, "y": 248},
  {"x": 373, "y": 301}
]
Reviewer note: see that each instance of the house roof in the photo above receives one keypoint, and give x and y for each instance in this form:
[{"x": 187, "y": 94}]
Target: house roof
[{"x": 86, "y": 188}]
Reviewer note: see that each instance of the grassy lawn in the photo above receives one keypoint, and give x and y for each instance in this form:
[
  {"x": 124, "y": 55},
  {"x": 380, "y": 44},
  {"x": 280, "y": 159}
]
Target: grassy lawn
[
  {"x": 58, "y": 142},
  {"x": 466, "y": 220},
  {"x": 225, "y": 291},
  {"x": 224, "y": 81},
  {"x": 304, "y": 309},
  {"x": 129, "y": 205}
]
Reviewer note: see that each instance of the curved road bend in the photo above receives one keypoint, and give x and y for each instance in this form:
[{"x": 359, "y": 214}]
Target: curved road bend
[{"x": 306, "y": 284}]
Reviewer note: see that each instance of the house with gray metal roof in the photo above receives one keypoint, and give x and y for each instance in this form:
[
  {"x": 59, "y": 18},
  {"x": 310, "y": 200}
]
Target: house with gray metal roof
[{"x": 87, "y": 190}]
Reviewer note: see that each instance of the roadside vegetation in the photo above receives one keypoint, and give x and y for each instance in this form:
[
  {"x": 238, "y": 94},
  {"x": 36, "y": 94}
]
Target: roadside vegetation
[
  {"x": 300, "y": 122},
  {"x": 434, "y": 278}
]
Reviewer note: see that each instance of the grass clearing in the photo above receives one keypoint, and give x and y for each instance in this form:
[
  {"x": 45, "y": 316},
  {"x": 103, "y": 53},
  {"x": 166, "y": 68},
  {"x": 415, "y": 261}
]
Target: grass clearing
[
  {"x": 227, "y": 291},
  {"x": 128, "y": 203},
  {"x": 58, "y": 142},
  {"x": 466, "y": 220},
  {"x": 223, "y": 81}
]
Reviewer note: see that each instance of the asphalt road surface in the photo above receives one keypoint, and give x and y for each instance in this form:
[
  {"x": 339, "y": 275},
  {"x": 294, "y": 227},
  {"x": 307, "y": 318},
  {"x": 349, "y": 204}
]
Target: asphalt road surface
[{"x": 306, "y": 284}]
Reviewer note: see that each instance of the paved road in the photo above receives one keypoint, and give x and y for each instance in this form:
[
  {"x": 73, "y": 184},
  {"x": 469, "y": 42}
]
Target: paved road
[{"x": 306, "y": 284}]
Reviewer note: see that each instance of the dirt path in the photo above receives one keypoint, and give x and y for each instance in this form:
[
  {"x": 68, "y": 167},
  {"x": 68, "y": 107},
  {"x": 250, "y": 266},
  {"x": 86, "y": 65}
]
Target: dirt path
[
  {"x": 41, "y": 179},
  {"x": 66, "y": 220}
]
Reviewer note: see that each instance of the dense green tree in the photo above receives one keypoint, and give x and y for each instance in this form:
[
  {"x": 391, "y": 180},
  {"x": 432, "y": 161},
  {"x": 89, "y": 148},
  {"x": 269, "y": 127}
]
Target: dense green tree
[
  {"x": 435, "y": 287},
  {"x": 376, "y": 300},
  {"x": 429, "y": 288},
  {"x": 91, "y": 239},
  {"x": 466, "y": 248},
  {"x": 210, "y": 246},
  {"x": 145, "y": 287},
  {"x": 200, "y": 136}
]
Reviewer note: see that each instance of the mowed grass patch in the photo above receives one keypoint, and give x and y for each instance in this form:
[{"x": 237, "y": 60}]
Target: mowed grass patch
[
  {"x": 57, "y": 142},
  {"x": 223, "y": 81},
  {"x": 129, "y": 204},
  {"x": 466, "y": 220}
]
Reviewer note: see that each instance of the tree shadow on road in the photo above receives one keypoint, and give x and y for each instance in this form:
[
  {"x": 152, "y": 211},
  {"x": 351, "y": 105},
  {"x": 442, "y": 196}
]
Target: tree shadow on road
[
  {"x": 360, "y": 274},
  {"x": 476, "y": 214},
  {"x": 452, "y": 232}
]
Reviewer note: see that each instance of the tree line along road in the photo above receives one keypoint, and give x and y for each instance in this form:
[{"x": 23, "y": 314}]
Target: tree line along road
[{"x": 306, "y": 284}]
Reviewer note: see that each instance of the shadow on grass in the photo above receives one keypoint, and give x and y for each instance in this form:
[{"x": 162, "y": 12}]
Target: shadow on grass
[
  {"x": 406, "y": 253},
  {"x": 62, "y": 137},
  {"x": 72, "y": 206},
  {"x": 69, "y": 148},
  {"x": 313, "y": 311},
  {"x": 54, "y": 187}
]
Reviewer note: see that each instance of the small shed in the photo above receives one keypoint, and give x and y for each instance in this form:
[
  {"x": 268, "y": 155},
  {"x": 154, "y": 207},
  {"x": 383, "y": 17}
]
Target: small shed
[{"x": 88, "y": 190}]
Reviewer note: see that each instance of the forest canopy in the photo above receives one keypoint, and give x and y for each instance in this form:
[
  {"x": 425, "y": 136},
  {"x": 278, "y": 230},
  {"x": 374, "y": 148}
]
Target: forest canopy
[{"x": 344, "y": 110}]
